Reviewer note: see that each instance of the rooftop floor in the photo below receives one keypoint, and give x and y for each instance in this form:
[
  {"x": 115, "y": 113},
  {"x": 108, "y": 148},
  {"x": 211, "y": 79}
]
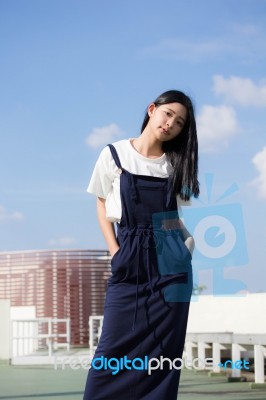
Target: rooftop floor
[{"x": 41, "y": 383}]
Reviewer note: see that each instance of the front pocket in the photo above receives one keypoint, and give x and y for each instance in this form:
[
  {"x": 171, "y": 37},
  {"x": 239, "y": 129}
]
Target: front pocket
[
  {"x": 115, "y": 255},
  {"x": 173, "y": 256},
  {"x": 186, "y": 249}
]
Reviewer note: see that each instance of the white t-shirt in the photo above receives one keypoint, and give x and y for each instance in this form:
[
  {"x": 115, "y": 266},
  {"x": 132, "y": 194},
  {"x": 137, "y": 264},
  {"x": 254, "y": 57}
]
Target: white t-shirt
[{"x": 105, "y": 179}]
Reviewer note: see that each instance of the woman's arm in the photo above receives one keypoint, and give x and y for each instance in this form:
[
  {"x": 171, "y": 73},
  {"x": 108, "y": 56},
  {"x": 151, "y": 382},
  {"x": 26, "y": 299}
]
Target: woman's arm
[{"x": 107, "y": 227}]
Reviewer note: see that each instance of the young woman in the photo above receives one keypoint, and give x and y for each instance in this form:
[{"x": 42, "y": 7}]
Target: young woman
[{"x": 138, "y": 183}]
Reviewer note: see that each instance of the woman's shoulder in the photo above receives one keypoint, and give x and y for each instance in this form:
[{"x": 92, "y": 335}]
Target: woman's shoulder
[
  {"x": 106, "y": 159},
  {"x": 121, "y": 144},
  {"x": 123, "y": 149}
]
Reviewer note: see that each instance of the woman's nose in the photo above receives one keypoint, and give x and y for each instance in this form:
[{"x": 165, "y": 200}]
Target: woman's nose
[{"x": 169, "y": 123}]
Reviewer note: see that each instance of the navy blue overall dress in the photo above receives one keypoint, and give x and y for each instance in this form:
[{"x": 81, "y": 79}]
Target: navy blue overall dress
[{"x": 147, "y": 299}]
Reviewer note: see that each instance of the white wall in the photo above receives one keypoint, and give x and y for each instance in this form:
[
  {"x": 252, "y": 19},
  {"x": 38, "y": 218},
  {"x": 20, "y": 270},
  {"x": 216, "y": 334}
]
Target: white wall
[
  {"x": 26, "y": 312},
  {"x": 23, "y": 329},
  {"x": 5, "y": 329},
  {"x": 237, "y": 314}
]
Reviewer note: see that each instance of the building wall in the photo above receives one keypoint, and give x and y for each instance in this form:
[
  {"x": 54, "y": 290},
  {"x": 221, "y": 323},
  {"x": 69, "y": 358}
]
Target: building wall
[
  {"x": 237, "y": 314},
  {"x": 60, "y": 284},
  {"x": 5, "y": 330},
  {"x": 72, "y": 284}
]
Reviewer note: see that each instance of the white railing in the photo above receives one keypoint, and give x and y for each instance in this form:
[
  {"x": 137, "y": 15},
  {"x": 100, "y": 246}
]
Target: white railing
[
  {"x": 214, "y": 343},
  {"x": 28, "y": 336},
  {"x": 95, "y": 330}
]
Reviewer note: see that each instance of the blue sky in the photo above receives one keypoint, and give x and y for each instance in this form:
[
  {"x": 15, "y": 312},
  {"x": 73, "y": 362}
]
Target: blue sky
[{"x": 75, "y": 75}]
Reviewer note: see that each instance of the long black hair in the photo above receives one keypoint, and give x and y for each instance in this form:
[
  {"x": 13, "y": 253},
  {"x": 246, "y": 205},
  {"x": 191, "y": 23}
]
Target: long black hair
[{"x": 182, "y": 151}]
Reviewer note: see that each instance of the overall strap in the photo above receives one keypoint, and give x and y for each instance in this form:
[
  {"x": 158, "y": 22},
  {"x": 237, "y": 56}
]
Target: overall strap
[{"x": 115, "y": 156}]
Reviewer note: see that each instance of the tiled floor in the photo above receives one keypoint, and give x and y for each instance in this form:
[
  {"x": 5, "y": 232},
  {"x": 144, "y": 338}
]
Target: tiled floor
[{"x": 41, "y": 383}]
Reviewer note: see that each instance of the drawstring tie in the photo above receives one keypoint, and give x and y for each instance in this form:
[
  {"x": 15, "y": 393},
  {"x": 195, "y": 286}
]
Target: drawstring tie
[{"x": 148, "y": 240}]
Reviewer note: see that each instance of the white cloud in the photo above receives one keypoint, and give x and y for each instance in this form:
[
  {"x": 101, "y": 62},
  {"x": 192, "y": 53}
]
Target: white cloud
[
  {"x": 242, "y": 91},
  {"x": 259, "y": 160},
  {"x": 10, "y": 216},
  {"x": 63, "y": 241},
  {"x": 244, "y": 42},
  {"x": 216, "y": 125},
  {"x": 104, "y": 135},
  {"x": 248, "y": 30},
  {"x": 175, "y": 48}
]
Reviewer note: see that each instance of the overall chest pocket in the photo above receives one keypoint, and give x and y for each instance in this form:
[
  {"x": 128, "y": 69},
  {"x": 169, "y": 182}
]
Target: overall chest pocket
[{"x": 150, "y": 199}]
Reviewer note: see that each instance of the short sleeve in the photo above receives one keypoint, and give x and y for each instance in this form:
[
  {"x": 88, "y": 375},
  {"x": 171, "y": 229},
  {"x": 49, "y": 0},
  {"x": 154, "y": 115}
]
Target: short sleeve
[{"x": 103, "y": 175}]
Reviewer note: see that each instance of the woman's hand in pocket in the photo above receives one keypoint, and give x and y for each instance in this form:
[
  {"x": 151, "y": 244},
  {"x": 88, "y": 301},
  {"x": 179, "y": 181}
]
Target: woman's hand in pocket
[
  {"x": 190, "y": 243},
  {"x": 114, "y": 250},
  {"x": 107, "y": 227}
]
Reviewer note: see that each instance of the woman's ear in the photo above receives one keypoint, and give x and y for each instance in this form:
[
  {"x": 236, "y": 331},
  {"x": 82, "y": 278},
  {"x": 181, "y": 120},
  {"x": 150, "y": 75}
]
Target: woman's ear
[{"x": 151, "y": 109}]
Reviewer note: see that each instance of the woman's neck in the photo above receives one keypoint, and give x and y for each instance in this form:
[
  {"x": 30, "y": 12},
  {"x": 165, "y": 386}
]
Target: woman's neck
[{"x": 147, "y": 145}]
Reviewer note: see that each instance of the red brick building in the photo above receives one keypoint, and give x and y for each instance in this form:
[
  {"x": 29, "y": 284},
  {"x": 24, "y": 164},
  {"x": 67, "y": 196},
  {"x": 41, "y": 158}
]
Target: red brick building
[{"x": 58, "y": 283}]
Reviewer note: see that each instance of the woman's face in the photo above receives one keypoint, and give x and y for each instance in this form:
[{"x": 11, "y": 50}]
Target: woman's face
[{"x": 167, "y": 121}]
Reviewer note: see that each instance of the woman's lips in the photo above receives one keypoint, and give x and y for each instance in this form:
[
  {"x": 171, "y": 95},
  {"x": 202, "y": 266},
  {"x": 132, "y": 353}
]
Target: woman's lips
[{"x": 165, "y": 131}]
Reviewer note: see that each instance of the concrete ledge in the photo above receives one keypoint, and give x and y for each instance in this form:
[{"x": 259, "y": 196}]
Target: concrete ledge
[
  {"x": 236, "y": 379},
  {"x": 201, "y": 371},
  {"x": 221, "y": 373},
  {"x": 4, "y": 361},
  {"x": 254, "y": 385}
]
